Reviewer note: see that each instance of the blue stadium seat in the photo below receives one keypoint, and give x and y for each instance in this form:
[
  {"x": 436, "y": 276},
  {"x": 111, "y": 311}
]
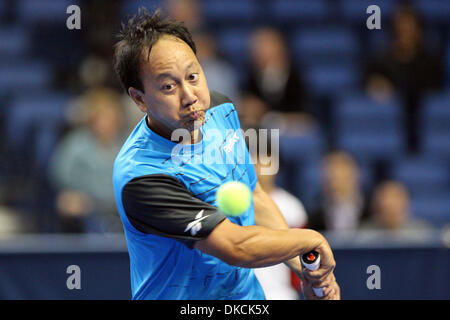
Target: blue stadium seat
[
  {"x": 422, "y": 175},
  {"x": 354, "y": 12},
  {"x": 233, "y": 45},
  {"x": 367, "y": 128},
  {"x": 447, "y": 66},
  {"x": 357, "y": 112},
  {"x": 436, "y": 112},
  {"x": 44, "y": 11},
  {"x": 433, "y": 11},
  {"x": 435, "y": 131},
  {"x": 131, "y": 7},
  {"x": 324, "y": 45},
  {"x": 308, "y": 183},
  {"x": 373, "y": 146},
  {"x": 3, "y": 6},
  {"x": 298, "y": 11},
  {"x": 378, "y": 41},
  {"x": 432, "y": 208},
  {"x": 14, "y": 41},
  {"x": 437, "y": 144},
  {"x": 304, "y": 147},
  {"x": 231, "y": 12},
  {"x": 39, "y": 117},
  {"x": 325, "y": 80},
  {"x": 24, "y": 75}
]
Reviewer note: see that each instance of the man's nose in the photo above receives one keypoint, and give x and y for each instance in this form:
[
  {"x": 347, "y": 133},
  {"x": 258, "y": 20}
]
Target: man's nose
[{"x": 188, "y": 96}]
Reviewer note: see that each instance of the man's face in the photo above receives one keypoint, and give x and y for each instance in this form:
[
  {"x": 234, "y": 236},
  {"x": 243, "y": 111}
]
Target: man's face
[{"x": 175, "y": 90}]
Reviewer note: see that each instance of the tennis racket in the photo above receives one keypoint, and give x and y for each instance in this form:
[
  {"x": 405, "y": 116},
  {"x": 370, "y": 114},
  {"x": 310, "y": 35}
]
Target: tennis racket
[{"x": 311, "y": 261}]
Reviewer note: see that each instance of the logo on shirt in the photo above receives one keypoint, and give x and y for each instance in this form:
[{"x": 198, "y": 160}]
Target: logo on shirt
[
  {"x": 196, "y": 225},
  {"x": 231, "y": 143}
]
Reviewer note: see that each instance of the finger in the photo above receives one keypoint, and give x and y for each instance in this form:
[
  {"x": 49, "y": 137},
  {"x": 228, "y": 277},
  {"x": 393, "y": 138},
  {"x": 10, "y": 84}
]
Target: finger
[
  {"x": 316, "y": 277},
  {"x": 323, "y": 282},
  {"x": 319, "y": 273},
  {"x": 334, "y": 293},
  {"x": 308, "y": 291},
  {"x": 337, "y": 295},
  {"x": 328, "y": 290},
  {"x": 328, "y": 286}
]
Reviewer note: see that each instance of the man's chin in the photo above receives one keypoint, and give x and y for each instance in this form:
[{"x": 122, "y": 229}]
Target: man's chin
[{"x": 192, "y": 125}]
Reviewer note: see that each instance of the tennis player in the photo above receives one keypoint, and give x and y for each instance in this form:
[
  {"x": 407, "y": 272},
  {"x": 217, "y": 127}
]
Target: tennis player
[{"x": 180, "y": 245}]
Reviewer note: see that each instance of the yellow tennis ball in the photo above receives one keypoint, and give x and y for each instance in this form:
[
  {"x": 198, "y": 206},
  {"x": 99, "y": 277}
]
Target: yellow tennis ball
[{"x": 233, "y": 198}]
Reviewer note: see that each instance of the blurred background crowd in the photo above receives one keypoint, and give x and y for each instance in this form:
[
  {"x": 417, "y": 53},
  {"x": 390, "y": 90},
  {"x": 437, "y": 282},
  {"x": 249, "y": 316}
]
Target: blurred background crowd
[{"x": 364, "y": 115}]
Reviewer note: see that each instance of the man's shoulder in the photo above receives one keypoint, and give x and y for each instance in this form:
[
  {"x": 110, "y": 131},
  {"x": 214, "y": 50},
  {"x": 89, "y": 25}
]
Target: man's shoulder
[
  {"x": 223, "y": 109},
  {"x": 218, "y": 99},
  {"x": 138, "y": 157}
]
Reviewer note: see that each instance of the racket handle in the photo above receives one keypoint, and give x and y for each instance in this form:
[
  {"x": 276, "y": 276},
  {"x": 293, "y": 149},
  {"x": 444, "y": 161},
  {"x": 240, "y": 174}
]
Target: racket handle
[{"x": 311, "y": 261}]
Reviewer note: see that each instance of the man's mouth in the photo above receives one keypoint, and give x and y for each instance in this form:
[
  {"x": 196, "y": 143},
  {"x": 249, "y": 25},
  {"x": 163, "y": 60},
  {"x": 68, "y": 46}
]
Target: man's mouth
[{"x": 194, "y": 115}]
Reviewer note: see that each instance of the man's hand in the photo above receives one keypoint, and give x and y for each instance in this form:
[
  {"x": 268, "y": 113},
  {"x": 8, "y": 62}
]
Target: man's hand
[
  {"x": 321, "y": 277},
  {"x": 331, "y": 291}
]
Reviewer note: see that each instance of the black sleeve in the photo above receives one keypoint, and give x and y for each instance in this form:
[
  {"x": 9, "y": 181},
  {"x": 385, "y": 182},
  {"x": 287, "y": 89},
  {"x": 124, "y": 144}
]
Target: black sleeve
[
  {"x": 160, "y": 204},
  {"x": 218, "y": 99}
]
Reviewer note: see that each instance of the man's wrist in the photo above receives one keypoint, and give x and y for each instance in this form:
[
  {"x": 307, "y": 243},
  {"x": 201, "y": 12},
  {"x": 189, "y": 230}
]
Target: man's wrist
[{"x": 311, "y": 240}]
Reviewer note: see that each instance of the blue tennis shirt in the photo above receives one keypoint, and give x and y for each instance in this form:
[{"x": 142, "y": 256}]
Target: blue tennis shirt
[{"x": 165, "y": 195}]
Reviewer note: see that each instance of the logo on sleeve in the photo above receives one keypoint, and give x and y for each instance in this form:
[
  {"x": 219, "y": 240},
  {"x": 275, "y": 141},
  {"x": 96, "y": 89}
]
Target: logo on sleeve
[{"x": 196, "y": 225}]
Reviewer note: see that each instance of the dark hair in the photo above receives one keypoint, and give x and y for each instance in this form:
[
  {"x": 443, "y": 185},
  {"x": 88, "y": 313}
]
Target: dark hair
[{"x": 142, "y": 32}]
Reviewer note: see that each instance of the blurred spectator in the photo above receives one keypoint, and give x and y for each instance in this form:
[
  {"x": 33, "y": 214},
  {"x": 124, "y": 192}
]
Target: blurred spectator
[
  {"x": 408, "y": 68},
  {"x": 251, "y": 110},
  {"x": 187, "y": 11},
  {"x": 13, "y": 222},
  {"x": 94, "y": 71},
  {"x": 272, "y": 77},
  {"x": 342, "y": 203},
  {"x": 82, "y": 166},
  {"x": 278, "y": 281},
  {"x": 220, "y": 74},
  {"x": 99, "y": 25},
  {"x": 390, "y": 209}
]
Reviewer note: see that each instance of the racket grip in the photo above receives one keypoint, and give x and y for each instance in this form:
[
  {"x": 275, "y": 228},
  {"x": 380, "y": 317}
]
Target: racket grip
[{"x": 311, "y": 261}]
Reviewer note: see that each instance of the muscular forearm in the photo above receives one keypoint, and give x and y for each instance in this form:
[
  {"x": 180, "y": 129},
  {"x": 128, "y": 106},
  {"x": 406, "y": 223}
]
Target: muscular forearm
[
  {"x": 255, "y": 246},
  {"x": 265, "y": 247}
]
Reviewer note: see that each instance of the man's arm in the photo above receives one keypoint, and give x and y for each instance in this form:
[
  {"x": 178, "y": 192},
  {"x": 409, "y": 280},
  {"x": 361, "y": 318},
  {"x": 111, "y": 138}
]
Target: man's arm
[
  {"x": 268, "y": 243},
  {"x": 256, "y": 246},
  {"x": 160, "y": 204},
  {"x": 268, "y": 214}
]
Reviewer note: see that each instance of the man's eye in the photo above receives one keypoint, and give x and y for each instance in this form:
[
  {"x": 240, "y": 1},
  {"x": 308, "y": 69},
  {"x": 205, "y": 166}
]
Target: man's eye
[
  {"x": 168, "y": 87},
  {"x": 193, "y": 76}
]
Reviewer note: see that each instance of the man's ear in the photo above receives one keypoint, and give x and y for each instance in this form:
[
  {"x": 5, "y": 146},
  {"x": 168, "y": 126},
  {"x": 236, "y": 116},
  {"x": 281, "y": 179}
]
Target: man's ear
[{"x": 138, "y": 98}]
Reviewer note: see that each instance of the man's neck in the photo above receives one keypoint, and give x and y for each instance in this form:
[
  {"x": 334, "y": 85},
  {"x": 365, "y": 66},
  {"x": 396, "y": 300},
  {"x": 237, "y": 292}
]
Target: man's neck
[{"x": 195, "y": 135}]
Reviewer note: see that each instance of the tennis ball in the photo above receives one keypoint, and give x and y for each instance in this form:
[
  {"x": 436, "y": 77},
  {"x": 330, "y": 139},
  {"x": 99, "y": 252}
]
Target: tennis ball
[{"x": 233, "y": 198}]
